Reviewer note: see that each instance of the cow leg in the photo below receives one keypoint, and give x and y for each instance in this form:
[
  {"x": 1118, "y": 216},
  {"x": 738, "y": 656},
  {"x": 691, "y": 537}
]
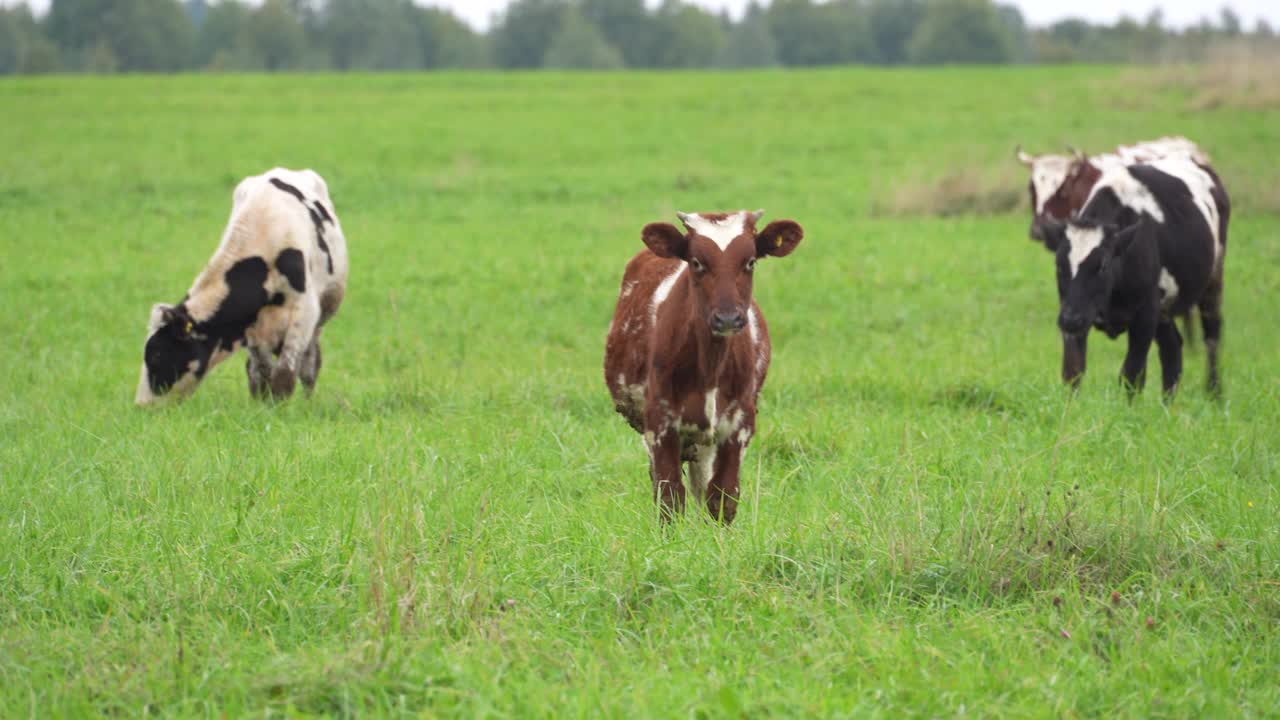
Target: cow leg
[
  {"x": 1170, "y": 344},
  {"x": 258, "y": 367},
  {"x": 722, "y": 493},
  {"x": 309, "y": 369},
  {"x": 1074, "y": 348},
  {"x": 664, "y": 470},
  {"x": 701, "y": 469},
  {"x": 1211, "y": 323},
  {"x": 1142, "y": 330},
  {"x": 298, "y": 338}
]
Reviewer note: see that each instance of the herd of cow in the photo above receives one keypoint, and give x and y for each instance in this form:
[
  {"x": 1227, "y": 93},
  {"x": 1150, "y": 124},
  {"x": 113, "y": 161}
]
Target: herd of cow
[{"x": 1139, "y": 236}]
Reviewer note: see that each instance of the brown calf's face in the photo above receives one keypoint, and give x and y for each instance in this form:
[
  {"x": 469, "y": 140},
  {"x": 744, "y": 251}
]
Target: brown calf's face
[{"x": 721, "y": 250}]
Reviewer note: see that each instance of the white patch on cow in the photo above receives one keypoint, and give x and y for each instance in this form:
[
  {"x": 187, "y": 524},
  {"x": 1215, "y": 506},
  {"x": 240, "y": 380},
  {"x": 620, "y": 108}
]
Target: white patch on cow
[
  {"x": 143, "y": 395},
  {"x": 1201, "y": 185},
  {"x": 627, "y": 288},
  {"x": 1082, "y": 242},
  {"x": 1129, "y": 191},
  {"x": 662, "y": 291},
  {"x": 1168, "y": 146},
  {"x": 1047, "y": 174},
  {"x": 727, "y": 424},
  {"x": 709, "y": 406},
  {"x": 701, "y": 467},
  {"x": 721, "y": 232},
  {"x": 1168, "y": 288},
  {"x": 753, "y": 325}
]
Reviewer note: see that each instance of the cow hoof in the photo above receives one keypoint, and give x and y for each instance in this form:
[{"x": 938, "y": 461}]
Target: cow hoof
[{"x": 283, "y": 381}]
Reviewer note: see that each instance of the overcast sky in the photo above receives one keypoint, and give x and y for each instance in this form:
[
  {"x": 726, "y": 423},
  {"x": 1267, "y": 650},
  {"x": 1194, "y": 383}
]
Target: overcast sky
[{"x": 1178, "y": 13}]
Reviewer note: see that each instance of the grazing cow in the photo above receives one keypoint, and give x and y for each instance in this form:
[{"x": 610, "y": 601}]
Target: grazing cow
[
  {"x": 279, "y": 274},
  {"x": 1060, "y": 184},
  {"x": 1148, "y": 245},
  {"x": 688, "y": 350}
]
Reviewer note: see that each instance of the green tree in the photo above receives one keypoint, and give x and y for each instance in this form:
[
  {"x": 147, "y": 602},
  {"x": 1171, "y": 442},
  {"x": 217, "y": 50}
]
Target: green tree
[
  {"x": 526, "y": 31},
  {"x": 223, "y": 35},
  {"x": 892, "y": 23},
  {"x": 628, "y": 26},
  {"x": 808, "y": 33},
  {"x": 580, "y": 45},
  {"x": 147, "y": 35},
  {"x": 749, "y": 42},
  {"x": 275, "y": 35},
  {"x": 691, "y": 37},
  {"x": 960, "y": 31},
  {"x": 447, "y": 42}
]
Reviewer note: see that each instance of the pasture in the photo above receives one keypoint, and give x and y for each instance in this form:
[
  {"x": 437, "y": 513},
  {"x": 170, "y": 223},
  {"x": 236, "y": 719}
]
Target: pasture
[{"x": 459, "y": 524}]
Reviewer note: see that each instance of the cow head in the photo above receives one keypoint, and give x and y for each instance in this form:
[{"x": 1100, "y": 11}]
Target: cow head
[
  {"x": 1047, "y": 175},
  {"x": 1089, "y": 261},
  {"x": 721, "y": 250},
  {"x": 174, "y": 356},
  {"x": 1069, "y": 198}
]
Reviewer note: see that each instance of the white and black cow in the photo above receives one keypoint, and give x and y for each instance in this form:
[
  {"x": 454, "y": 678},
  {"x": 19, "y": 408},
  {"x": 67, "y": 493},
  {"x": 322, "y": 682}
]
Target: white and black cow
[
  {"x": 278, "y": 276},
  {"x": 1148, "y": 245}
]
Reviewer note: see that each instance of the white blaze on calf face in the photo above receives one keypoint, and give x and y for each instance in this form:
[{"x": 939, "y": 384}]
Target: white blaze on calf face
[
  {"x": 721, "y": 232},
  {"x": 1047, "y": 174},
  {"x": 1082, "y": 242}
]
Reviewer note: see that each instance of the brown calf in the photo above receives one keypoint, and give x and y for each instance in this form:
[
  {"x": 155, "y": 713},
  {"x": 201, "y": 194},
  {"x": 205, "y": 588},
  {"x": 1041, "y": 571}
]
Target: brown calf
[{"x": 688, "y": 350}]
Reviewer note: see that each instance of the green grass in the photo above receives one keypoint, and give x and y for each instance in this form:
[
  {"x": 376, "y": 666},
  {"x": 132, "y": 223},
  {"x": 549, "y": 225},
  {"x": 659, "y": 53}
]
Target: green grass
[{"x": 458, "y": 523}]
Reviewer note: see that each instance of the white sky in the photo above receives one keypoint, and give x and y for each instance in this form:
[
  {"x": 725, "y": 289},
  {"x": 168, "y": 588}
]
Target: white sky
[{"x": 1177, "y": 13}]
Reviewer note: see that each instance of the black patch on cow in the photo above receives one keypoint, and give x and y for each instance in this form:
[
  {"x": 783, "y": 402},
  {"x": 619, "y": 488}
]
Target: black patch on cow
[
  {"x": 170, "y": 351},
  {"x": 277, "y": 299},
  {"x": 318, "y": 215},
  {"x": 324, "y": 212},
  {"x": 246, "y": 295},
  {"x": 289, "y": 189},
  {"x": 293, "y": 266}
]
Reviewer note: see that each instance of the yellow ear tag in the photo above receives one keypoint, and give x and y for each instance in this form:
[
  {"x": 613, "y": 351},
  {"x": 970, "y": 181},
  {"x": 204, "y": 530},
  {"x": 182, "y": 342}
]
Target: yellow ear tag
[
  {"x": 777, "y": 242},
  {"x": 189, "y": 326}
]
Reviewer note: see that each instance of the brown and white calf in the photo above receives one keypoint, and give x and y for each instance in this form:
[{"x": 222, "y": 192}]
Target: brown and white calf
[
  {"x": 1060, "y": 184},
  {"x": 688, "y": 351}
]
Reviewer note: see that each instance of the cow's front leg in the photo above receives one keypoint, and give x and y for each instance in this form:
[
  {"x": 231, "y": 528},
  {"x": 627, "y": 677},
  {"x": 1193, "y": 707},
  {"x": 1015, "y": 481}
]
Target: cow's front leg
[
  {"x": 298, "y": 338},
  {"x": 723, "y": 491},
  {"x": 258, "y": 367},
  {"x": 1074, "y": 348},
  {"x": 1133, "y": 374},
  {"x": 663, "y": 443},
  {"x": 1169, "y": 341}
]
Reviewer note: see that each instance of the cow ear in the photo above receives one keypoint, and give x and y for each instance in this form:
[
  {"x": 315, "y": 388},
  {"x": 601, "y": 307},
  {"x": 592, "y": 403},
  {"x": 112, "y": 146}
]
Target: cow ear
[
  {"x": 665, "y": 240},
  {"x": 1023, "y": 157},
  {"x": 779, "y": 238},
  {"x": 1123, "y": 239}
]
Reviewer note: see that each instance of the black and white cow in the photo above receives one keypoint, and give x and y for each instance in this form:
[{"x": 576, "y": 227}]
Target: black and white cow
[
  {"x": 278, "y": 276},
  {"x": 1147, "y": 246}
]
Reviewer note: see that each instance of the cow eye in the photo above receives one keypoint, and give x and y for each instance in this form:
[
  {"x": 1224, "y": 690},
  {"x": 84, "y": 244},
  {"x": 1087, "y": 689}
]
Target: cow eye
[
  {"x": 697, "y": 265},
  {"x": 751, "y": 265}
]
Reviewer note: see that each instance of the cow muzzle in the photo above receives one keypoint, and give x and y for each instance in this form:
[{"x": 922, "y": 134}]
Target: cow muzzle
[{"x": 726, "y": 324}]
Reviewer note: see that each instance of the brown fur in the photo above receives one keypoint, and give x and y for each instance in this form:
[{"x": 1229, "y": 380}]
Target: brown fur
[{"x": 660, "y": 368}]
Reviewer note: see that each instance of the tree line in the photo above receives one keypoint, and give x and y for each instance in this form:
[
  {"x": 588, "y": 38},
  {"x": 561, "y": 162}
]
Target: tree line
[{"x": 230, "y": 35}]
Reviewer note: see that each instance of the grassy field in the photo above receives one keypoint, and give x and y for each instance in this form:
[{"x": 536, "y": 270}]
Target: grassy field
[{"x": 458, "y": 523}]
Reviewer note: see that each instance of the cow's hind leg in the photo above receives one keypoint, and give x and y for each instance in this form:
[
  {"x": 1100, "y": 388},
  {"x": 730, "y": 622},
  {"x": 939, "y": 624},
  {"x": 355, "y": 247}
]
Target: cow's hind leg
[
  {"x": 1211, "y": 323},
  {"x": 258, "y": 367},
  {"x": 298, "y": 338},
  {"x": 1170, "y": 344},
  {"x": 309, "y": 368}
]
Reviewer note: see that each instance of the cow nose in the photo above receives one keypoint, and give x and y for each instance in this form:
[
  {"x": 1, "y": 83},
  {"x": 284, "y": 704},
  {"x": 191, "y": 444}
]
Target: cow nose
[
  {"x": 1037, "y": 231},
  {"x": 727, "y": 323},
  {"x": 1072, "y": 323}
]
